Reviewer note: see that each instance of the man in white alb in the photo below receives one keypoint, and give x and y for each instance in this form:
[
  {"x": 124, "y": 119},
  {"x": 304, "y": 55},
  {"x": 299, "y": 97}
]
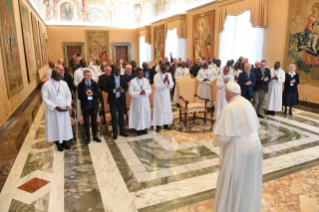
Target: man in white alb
[
  {"x": 240, "y": 171},
  {"x": 57, "y": 98},
  {"x": 49, "y": 71},
  {"x": 181, "y": 71},
  {"x": 274, "y": 96},
  {"x": 222, "y": 81},
  {"x": 140, "y": 110},
  {"x": 95, "y": 66},
  {"x": 162, "y": 115},
  {"x": 205, "y": 78},
  {"x": 218, "y": 69},
  {"x": 236, "y": 71}
]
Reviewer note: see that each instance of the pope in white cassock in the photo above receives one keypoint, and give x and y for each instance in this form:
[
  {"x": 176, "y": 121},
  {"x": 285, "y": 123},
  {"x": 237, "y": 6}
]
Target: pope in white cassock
[
  {"x": 140, "y": 109},
  {"x": 240, "y": 171},
  {"x": 205, "y": 78},
  {"x": 57, "y": 98},
  {"x": 222, "y": 81},
  {"x": 162, "y": 115},
  {"x": 78, "y": 77},
  {"x": 274, "y": 96},
  {"x": 181, "y": 71}
]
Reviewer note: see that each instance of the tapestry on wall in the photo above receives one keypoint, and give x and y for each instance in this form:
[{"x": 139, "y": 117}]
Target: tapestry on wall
[
  {"x": 97, "y": 44},
  {"x": 36, "y": 42},
  {"x": 159, "y": 45},
  {"x": 9, "y": 49},
  {"x": 203, "y": 32},
  {"x": 42, "y": 45},
  {"x": 303, "y": 42},
  {"x": 27, "y": 40}
]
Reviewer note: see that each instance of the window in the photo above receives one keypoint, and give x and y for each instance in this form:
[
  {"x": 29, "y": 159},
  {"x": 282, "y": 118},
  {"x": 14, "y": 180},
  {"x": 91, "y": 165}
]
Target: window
[
  {"x": 175, "y": 45},
  {"x": 145, "y": 51}
]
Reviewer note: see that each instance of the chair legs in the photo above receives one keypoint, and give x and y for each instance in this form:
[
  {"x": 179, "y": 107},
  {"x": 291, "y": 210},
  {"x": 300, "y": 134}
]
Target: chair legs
[
  {"x": 186, "y": 119},
  {"x": 74, "y": 131},
  {"x": 180, "y": 116},
  {"x": 194, "y": 116},
  {"x": 205, "y": 113}
]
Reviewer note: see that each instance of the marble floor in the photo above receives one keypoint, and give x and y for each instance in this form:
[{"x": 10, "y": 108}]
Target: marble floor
[{"x": 167, "y": 171}]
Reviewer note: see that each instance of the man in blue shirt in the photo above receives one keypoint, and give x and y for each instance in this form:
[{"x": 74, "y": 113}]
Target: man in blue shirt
[{"x": 247, "y": 81}]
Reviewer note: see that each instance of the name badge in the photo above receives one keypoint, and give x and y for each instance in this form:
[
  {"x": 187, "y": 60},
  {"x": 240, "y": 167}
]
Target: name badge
[
  {"x": 58, "y": 97},
  {"x": 90, "y": 97}
]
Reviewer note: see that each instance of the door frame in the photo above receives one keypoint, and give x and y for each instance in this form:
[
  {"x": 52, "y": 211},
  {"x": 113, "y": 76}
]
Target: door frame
[
  {"x": 115, "y": 44},
  {"x": 65, "y": 50}
]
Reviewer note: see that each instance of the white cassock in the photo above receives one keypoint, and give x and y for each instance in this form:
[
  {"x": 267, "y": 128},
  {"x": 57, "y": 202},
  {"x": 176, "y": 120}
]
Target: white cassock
[
  {"x": 57, "y": 124},
  {"x": 49, "y": 74},
  {"x": 217, "y": 71},
  {"x": 157, "y": 69},
  {"x": 96, "y": 69},
  {"x": 236, "y": 73},
  {"x": 231, "y": 71},
  {"x": 203, "y": 89},
  {"x": 140, "y": 109},
  {"x": 274, "y": 95},
  {"x": 212, "y": 66},
  {"x": 240, "y": 171},
  {"x": 221, "y": 101},
  {"x": 78, "y": 77},
  {"x": 162, "y": 114},
  {"x": 178, "y": 74}
]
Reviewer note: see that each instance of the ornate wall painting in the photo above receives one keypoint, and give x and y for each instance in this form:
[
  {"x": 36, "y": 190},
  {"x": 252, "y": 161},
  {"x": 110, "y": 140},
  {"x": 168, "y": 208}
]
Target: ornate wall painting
[
  {"x": 97, "y": 43},
  {"x": 27, "y": 40},
  {"x": 95, "y": 13},
  {"x": 37, "y": 48},
  {"x": 303, "y": 40},
  {"x": 137, "y": 13},
  {"x": 10, "y": 49},
  {"x": 66, "y": 11},
  {"x": 159, "y": 45},
  {"x": 42, "y": 45},
  {"x": 203, "y": 35}
]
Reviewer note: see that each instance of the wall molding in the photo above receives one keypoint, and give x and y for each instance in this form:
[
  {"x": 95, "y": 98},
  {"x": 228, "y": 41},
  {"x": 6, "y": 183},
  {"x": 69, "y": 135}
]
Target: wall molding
[{"x": 129, "y": 49}]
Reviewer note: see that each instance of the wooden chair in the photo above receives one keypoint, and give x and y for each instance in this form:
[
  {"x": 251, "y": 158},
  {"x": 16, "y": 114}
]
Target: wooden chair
[
  {"x": 213, "y": 89},
  {"x": 128, "y": 99},
  {"x": 187, "y": 99},
  {"x": 151, "y": 97}
]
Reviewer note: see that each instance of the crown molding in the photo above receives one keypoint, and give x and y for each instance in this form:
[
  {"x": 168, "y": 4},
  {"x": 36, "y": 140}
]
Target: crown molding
[{"x": 148, "y": 27}]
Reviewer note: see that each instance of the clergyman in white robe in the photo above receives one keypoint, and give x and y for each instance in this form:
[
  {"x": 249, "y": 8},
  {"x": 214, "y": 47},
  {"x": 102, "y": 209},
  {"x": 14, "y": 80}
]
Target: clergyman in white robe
[
  {"x": 181, "y": 71},
  {"x": 217, "y": 71},
  {"x": 78, "y": 77},
  {"x": 221, "y": 101},
  {"x": 96, "y": 69},
  {"x": 57, "y": 124},
  {"x": 274, "y": 95},
  {"x": 239, "y": 181},
  {"x": 49, "y": 74},
  {"x": 140, "y": 108},
  {"x": 162, "y": 114},
  {"x": 203, "y": 89}
]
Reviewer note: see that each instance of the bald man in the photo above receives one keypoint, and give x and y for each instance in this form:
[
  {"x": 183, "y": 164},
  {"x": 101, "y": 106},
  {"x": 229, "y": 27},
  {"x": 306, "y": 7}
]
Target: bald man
[
  {"x": 61, "y": 62},
  {"x": 66, "y": 77}
]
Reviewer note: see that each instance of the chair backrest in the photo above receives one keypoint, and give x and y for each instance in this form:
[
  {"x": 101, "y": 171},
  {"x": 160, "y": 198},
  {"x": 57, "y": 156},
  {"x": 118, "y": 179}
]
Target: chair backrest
[
  {"x": 106, "y": 105},
  {"x": 186, "y": 89},
  {"x": 213, "y": 89},
  {"x": 151, "y": 96},
  {"x": 196, "y": 84},
  {"x": 128, "y": 100}
]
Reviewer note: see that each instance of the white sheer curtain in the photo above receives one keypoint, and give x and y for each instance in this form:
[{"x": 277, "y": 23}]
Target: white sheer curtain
[
  {"x": 145, "y": 51},
  {"x": 175, "y": 45},
  {"x": 239, "y": 38}
]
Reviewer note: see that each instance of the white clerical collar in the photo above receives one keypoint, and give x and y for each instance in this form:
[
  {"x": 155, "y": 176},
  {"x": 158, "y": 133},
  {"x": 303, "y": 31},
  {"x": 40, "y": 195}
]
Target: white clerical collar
[
  {"x": 292, "y": 74},
  {"x": 83, "y": 68}
]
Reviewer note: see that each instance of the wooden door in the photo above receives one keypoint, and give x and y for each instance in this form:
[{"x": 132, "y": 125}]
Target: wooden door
[
  {"x": 121, "y": 53},
  {"x": 71, "y": 51}
]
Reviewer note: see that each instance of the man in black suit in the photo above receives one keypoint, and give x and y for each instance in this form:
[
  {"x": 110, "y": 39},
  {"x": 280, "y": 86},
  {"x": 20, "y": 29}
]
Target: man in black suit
[
  {"x": 66, "y": 77},
  {"x": 154, "y": 66},
  {"x": 247, "y": 81},
  {"x": 148, "y": 73},
  {"x": 116, "y": 87},
  {"x": 180, "y": 62},
  {"x": 129, "y": 74},
  {"x": 133, "y": 68},
  {"x": 61, "y": 62},
  {"x": 88, "y": 93},
  {"x": 75, "y": 62},
  {"x": 195, "y": 69},
  {"x": 263, "y": 77},
  {"x": 103, "y": 78}
]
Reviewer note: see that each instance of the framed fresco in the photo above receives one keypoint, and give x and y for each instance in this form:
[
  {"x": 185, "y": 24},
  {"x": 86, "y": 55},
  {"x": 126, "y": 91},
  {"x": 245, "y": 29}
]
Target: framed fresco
[
  {"x": 10, "y": 49},
  {"x": 27, "y": 41},
  {"x": 95, "y": 13},
  {"x": 203, "y": 34},
  {"x": 97, "y": 43},
  {"x": 36, "y": 42},
  {"x": 302, "y": 48},
  {"x": 159, "y": 43},
  {"x": 42, "y": 44},
  {"x": 67, "y": 11}
]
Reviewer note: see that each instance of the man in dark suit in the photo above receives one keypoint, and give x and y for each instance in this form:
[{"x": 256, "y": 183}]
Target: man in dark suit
[
  {"x": 154, "y": 66},
  {"x": 148, "y": 73},
  {"x": 66, "y": 77},
  {"x": 247, "y": 81},
  {"x": 180, "y": 62},
  {"x": 172, "y": 69},
  {"x": 61, "y": 62},
  {"x": 133, "y": 68},
  {"x": 195, "y": 69},
  {"x": 88, "y": 93},
  {"x": 103, "y": 78},
  {"x": 116, "y": 87},
  {"x": 263, "y": 77},
  {"x": 129, "y": 74}
]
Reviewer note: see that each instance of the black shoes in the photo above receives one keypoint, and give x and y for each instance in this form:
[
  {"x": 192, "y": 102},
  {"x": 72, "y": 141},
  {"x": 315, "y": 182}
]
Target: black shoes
[
  {"x": 97, "y": 139},
  {"x": 114, "y": 137},
  {"x": 60, "y": 147},
  {"x": 290, "y": 112},
  {"x": 166, "y": 127},
  {"x": 285, "y": 112},
  {"x": 65, "y": 145},
  {"x": 268, "y": 112},
  {"x": 145, "y": 131},
  {"x": 139, "y": 132},
  {"x": 158, "y": 129},
  {"x": 123, "y": 134},
  {"x": 87, "y": 141},
  {"x": 260, "y": 116},
  {"x": 273, "y": 113}
]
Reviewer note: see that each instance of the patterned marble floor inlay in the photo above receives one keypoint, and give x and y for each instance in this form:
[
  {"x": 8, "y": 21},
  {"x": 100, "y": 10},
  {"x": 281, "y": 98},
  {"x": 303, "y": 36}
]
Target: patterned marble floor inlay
[
  {"x": 33, "y": 185},
  {"x": 40, "y": 205}
]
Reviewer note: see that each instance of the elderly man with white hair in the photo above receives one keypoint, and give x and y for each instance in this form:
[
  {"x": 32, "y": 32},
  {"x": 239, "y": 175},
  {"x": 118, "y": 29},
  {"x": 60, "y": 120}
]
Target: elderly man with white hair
[
  {"x": 247, "y": 81},
  {"x": 290, "y": 96},
  {"x": 239, "y": 181}
]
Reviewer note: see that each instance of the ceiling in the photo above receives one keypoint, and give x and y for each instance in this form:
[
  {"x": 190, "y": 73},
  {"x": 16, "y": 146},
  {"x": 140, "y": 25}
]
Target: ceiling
[{"x": 120, "y": 13}]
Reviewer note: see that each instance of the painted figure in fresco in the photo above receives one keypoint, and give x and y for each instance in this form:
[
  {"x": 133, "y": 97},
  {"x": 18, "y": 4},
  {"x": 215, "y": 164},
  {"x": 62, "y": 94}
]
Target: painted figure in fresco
[
  {"x": 308, "y": 39},
  {"x": 66, "y": 13},
  {"x": 202, "y": 41},
  {"x": 158, "y": 44}
]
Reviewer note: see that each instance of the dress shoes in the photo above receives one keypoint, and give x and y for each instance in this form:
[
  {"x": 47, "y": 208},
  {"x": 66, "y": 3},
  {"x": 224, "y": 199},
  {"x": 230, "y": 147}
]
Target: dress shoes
[
  {"x": 158, "y": 129},
  {"x": 65, "y": 145},
  {"x": 87, "y": 141},
  {"x": 273, "y": 113},
  {"x": 285, "y": 112},
  {"x": 145, "y": 131},
  {"x": 97, "y": 139},
  {"x": 268, "y": 112},
  {"x": 290, "y": 113},
  {"x": 166, "y": 127},
  {"x": 260, "y": 116},
  {"x": 139, "y": 132},
  {"x": 114, "y": 136},
  {"x": 60, "y": 147},
  {"x": 123, "y": 134}
]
